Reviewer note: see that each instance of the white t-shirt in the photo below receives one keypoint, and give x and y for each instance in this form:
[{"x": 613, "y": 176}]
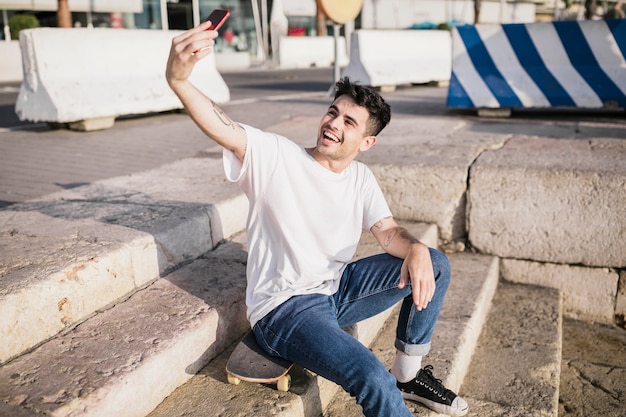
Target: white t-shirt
[{"x": 304, "y": 221}]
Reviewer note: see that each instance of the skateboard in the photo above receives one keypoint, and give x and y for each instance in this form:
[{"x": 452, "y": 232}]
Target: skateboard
[{"x": 250, "y": 363}]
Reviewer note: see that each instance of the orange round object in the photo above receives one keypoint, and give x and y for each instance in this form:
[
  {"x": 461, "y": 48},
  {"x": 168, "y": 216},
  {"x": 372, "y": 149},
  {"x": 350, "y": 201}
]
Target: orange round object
[{"x": 341, "y": 11}]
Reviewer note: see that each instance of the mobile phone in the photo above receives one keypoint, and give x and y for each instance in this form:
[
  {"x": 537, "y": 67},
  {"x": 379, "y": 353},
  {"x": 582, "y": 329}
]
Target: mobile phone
[{"x": 217, "y": 18}]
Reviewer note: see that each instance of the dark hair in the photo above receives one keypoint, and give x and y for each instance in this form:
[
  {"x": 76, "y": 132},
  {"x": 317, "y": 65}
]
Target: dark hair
[{"x": 379, "y": 111}]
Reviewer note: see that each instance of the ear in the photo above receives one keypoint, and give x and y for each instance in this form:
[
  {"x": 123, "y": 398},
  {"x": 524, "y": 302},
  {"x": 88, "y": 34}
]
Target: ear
[{"x": 367, "y": 142}]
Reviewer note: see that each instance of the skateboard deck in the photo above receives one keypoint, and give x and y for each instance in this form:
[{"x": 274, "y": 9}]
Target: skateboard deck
[{"x": 249, "y": 362}]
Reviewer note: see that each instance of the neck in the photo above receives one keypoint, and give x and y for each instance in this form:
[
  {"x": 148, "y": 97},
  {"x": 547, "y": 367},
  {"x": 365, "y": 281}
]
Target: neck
[{"x": 330, "y": 164}]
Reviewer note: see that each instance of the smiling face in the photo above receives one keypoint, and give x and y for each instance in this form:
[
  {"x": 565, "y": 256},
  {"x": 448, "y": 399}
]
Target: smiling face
[{"x": 343, "y": 133}]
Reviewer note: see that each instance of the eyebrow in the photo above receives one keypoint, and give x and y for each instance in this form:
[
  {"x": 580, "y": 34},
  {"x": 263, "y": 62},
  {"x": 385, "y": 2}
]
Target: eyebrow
[{"x": 347, "y": 116}]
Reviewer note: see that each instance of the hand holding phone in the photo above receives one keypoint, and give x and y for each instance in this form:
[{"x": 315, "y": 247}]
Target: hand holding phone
[{"x": 217, "y": 18}]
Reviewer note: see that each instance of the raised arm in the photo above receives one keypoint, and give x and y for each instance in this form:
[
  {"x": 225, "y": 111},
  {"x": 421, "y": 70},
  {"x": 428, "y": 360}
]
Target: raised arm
[
  {"x": 187, "y": 49},
  {"x": 417, "y": 265}
]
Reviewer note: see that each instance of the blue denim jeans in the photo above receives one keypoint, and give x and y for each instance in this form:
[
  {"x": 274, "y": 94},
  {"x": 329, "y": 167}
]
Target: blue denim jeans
[{"x": 308, "y": 330}]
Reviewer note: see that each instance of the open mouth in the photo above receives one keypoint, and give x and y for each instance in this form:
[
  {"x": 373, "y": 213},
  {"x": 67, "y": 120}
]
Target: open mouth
[{"x": 330, "y": 137}]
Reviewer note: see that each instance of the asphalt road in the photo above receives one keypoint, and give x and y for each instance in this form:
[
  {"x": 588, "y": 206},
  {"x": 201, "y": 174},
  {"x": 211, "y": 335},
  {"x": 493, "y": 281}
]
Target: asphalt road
[{"x": 8, "y": 96}]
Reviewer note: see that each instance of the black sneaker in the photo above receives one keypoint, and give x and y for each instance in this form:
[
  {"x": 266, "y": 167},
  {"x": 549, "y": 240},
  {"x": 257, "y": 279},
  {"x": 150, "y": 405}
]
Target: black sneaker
[{"x": 428, "y": 390}]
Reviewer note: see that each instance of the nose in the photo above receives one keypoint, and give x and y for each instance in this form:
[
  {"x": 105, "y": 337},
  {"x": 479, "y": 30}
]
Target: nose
[{"x": 334, "y": 122}]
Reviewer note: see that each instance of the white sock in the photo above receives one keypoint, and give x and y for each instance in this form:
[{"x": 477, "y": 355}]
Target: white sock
[{"x": 406, "y": 367}]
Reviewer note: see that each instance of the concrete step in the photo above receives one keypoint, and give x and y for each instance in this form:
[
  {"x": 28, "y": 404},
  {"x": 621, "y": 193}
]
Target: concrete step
[
  {"x": 125, "y": 360},
  {"x": 517, "y": 364},
  {"x": 72, "y": 253},
  {"x": 145, "y": 347},
  {"x": 457, "y": 332}
]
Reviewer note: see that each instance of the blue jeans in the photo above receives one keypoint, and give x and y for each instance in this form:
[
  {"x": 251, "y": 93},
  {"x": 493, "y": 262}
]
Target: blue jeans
[{"x": 308, "y": 329}]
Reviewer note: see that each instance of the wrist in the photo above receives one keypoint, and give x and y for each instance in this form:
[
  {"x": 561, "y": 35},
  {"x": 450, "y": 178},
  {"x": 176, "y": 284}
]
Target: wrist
[{"x": 418, "y": 247}]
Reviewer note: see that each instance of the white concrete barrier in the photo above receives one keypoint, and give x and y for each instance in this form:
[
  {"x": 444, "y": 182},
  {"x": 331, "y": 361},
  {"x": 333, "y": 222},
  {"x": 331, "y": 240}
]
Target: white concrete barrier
[
  {"x": 232, "y": 61},
  {"x": 73, "y": 75},
  {"x": 394, "y": 57},
  {"x": 10, "y": 61},
  {"x": 310, "y": 51}
]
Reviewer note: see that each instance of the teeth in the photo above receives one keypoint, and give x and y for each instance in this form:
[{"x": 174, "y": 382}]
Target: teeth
[{"x": 331, "y": 137}]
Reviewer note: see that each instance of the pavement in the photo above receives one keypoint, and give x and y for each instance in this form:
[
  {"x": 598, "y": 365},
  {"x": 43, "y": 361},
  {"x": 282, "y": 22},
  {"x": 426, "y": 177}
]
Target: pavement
[{"x": 36, "y": 161}]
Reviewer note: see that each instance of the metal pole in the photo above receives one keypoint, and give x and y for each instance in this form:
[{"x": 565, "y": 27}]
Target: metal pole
[
  {"x": 195, "y": 10},
  {"x": 266, "y": 43},
  {"x": 165, "y": 25},
  {"x": 260, "y": 52},
  {"x": 336, "y": 28},
  {"x": 336, "y": 69},
  {"x": 556, "y": 10},
  {"x": 7, "y": 30}
]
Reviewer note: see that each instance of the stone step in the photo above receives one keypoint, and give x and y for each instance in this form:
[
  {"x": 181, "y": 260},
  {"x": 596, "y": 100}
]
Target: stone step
[
  {"x": 517, "y": 364},
  {"x": 145, "y": 347},
  {"x": 72, "y": 253},
  {"x": 125, "y": 360},
  {"x": 465, "y": 308}
]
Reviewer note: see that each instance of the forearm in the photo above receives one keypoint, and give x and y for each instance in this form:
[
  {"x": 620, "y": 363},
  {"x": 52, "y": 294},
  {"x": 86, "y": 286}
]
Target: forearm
[
  {"x": 399, "y": 242},
  {"x": 210, "y": 118},
  {"x": 186, "y": 50},
  {"x": 417, "y": 266},
  {"x": 394, "y": 239}
]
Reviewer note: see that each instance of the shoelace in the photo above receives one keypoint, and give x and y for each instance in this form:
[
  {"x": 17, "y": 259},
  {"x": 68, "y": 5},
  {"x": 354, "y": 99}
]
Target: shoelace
[{"x": 440, "y": 389}]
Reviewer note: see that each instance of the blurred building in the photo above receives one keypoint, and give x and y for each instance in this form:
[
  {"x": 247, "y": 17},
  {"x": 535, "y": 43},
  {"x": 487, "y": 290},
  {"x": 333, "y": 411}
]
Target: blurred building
[{"x": 249, "y": 28}]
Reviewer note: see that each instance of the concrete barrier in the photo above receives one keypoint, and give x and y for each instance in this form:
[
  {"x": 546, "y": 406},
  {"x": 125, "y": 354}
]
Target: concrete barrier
[
  {"x": 395, "y": 57},
  {"x": 536, "y": 65},
  {"x": 11, "y": 61},
  {"x": 74, "y": 75},
  {"x": 310, "y": 51}
]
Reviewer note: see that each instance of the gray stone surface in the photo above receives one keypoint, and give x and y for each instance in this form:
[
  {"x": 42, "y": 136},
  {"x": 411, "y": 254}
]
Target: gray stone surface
[
  {"x": 73, "y": 252},
  {"x": 55, "y": 272},
  {"x": 192, "y": 192},
  {"x": 13, "y": 411},
  {"x": 209, "y": 394},
  {"x": 551, "y": 200},
  {"x": 422, "y": 165},
  {"x": 593, "y": 370},
  {"x": 125, "y": 360},
  {"x": 517, "y": 363},
  {"x": 588, "y": 293},
  {"x": 620, "y": 303},
  {"x": 473, "y": 285}
]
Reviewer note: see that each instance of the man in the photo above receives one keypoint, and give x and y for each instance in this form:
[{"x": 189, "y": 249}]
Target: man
[{"x": 307, "y": 210}]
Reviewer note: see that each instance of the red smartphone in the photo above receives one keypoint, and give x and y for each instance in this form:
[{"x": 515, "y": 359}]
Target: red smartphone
[{"x": 217, "y": 18}]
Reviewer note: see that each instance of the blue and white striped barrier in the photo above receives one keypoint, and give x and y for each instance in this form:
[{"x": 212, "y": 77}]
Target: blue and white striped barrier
[{"x": 558, "y": 64}]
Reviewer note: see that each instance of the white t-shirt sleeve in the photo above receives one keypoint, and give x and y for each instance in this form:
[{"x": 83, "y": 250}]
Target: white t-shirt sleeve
[
  {"x": 375, "y": 205},
  {"x": 258, "y": 164}
]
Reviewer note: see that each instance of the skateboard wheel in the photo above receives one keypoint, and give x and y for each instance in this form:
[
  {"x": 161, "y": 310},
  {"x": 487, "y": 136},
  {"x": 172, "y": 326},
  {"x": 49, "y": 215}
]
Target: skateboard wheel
[
  {"x": 284, "y": 383},
  {"x": 233, "y": 380}
]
